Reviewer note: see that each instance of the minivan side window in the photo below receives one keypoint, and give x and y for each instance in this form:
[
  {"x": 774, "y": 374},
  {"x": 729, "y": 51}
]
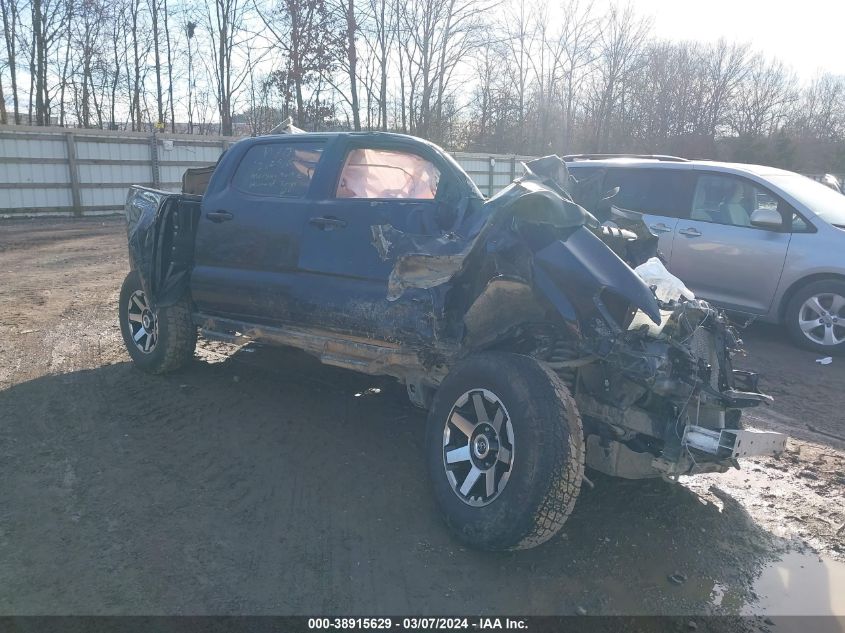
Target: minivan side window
[
  {"x": 281, "y": 170},
  {"x": 654, "y": 191}
]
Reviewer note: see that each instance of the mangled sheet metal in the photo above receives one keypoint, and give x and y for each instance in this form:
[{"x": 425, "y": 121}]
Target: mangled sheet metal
[
  {"x": 426, "y": 261},
  {"x": 540, "y": 197}
]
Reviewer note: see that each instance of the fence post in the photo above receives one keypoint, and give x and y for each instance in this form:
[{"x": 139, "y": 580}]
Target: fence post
[
  {"x": 73, "y": 170},
  {"x": 154, "y": 160},
  {"x": 513, "y": 168},
  {"x": 491, "y": 164}
]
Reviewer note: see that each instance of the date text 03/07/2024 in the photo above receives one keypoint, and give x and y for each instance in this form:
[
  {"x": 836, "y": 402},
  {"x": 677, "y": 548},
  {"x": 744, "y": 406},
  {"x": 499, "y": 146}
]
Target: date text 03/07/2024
[{"x": 417, "y": 624}]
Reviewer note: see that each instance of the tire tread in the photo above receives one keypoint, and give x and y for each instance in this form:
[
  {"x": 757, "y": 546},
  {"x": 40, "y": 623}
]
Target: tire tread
[
  {"x": 567, "y": 473},
  {"x": 182, "y": 336}
]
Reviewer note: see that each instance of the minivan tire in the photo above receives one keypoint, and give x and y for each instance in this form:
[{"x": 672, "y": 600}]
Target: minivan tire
[
  {"x": 827, "y": 289},
  {"x": 540, "y": 430},
  {"x": 171, "y": 337}
]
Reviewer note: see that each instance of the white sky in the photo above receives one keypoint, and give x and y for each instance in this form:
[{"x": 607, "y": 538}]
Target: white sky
[{"x": 808, "y": 35}]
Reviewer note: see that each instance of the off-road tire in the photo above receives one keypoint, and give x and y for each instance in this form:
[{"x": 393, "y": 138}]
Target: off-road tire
[
  {"x": 792, "y": 315},
  {"x": 548, "y": 459},
  {"x": 177, "y": 334}
]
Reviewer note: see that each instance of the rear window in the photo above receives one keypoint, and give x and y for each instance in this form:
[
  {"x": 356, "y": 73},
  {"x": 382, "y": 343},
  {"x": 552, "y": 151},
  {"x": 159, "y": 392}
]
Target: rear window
[
  {"x": 283, "y": 170},
  {"x": 658, "y": 191}
]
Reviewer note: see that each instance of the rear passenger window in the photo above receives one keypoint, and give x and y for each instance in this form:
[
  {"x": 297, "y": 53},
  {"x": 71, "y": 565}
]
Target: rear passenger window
[
  {"x": 278, "y": 169},
  {"x": 656, "y": 191}
]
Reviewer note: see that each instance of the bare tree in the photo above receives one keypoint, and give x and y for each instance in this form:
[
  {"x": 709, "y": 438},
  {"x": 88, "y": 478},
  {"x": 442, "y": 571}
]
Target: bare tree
[
  {"x": 308, "y": 33},
  {"x": 763, "y": 98},
  {"x": 621, "y": 40},
  {"x": 380, "y": 36},
  {"x": 48, "y": 23},
  {"x": 226, "y": 28},
  {"x": 440, "y": 35},
  {"x": 9, "y": 11},
  {"x": 578, "y": 51},
  {"x": 351, "y": 32}
]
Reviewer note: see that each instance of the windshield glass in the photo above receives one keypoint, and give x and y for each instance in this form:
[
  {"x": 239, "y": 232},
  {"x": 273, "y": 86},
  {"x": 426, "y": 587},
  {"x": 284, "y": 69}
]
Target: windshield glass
[{"x": 823, "y": 201}]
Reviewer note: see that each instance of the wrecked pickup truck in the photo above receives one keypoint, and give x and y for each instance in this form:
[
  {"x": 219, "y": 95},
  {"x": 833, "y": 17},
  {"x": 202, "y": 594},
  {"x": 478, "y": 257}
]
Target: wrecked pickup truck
[{"x": 518, "y": 321}]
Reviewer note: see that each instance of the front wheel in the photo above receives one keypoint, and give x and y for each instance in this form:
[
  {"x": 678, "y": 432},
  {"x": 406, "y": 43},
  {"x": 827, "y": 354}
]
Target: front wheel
[
  {"x": 505, "y": 451},
  {"x": 158, "y": 340},
  {"x": 815, "y": 317}
]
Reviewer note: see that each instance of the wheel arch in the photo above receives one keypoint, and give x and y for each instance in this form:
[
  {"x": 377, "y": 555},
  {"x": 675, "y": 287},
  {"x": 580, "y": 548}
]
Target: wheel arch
[{"x": 797, "y": 285}]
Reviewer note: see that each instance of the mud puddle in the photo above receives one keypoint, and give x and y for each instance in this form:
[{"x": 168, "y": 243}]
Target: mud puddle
[{"x": 800, "y": 584}]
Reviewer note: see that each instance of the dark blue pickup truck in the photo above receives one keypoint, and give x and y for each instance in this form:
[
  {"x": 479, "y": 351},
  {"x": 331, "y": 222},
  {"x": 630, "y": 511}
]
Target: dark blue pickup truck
[{"x": 533, "y": 334}]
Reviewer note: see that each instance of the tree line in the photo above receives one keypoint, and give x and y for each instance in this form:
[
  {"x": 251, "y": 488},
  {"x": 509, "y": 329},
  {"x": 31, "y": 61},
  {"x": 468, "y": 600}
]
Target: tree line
[{"x": 530, "y": 77}]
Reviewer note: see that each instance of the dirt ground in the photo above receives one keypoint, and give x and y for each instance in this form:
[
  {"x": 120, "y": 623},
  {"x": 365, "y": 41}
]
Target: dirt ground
[{"x": 258, "y": 481}]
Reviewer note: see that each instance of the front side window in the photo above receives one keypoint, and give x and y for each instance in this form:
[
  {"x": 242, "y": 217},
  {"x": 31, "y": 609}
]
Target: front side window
[
  {"x": 283, "y": 170},
  {"x": 379, "y": 173},
  {"x": 725, "y": 199}
]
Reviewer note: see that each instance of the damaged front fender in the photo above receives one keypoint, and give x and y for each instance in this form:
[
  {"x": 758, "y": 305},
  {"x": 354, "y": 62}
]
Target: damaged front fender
[
  {"x": 426, "y": 261},
  {"x": 582, "y": 267},
  {"x": 533, "y": 231}
]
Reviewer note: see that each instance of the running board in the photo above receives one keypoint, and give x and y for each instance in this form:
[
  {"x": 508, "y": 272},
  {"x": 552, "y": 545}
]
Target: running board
[
  {"x": 359, "y": 354},
  {"x": 225, "y": 337}
]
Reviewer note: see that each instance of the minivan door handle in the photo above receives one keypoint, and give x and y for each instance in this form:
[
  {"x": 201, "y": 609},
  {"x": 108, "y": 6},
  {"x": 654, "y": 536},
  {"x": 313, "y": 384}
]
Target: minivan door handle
[
  {"x": 219, "y": 216},
  {"x": 690, "y": 232},
  {"x": 327, "y": 222},
  {"x": 660, "y": 228}
]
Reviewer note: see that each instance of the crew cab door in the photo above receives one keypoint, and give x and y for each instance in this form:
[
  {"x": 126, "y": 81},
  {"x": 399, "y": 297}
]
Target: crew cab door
[
  {"x": 719, "y": 255},
  {"x": 344, "y": 276},
  {"x": 247, "y": 245},
  {"x": 660, "y": 194}
]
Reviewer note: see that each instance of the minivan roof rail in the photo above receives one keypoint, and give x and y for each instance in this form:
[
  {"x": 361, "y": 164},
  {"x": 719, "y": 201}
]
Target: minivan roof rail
[{"x": 661, "y": 157}]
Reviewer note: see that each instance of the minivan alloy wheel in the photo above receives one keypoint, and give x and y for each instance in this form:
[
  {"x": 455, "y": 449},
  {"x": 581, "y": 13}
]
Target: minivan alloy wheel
[
  {"x": 478, "y": 447},
  {"x": 822, "y": 319},
  {"x": 143, "y": 324}
]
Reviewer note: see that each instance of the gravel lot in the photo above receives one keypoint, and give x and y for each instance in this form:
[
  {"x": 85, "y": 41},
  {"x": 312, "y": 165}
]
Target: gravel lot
[{"x": 258, "y": 481}]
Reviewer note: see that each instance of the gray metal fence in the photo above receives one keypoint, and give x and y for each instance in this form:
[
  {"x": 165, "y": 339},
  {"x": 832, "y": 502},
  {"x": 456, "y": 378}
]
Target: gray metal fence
[{"x": 59, "y": 171}]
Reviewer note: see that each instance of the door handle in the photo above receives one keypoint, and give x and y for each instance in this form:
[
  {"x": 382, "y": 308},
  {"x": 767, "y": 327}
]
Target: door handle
[
  {"x": 327, "y": 222},
  {"x": 660, "y": 228},
  {"x": 219, "y": 216},
  {"x": 690, "y": 232}
]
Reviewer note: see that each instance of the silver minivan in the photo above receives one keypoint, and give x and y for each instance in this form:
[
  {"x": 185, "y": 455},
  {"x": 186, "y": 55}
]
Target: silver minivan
[{"x": 755, "y": 240}]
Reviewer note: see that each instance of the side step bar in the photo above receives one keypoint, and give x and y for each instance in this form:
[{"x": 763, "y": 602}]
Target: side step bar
[
  {"x": 733, "y": 443},
  {"x": 351, "y": 352}
]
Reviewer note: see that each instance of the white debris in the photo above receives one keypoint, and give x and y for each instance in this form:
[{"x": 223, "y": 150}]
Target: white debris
[
  {"x": 667, "y": 286},
  {"x": 827, "y": 360}
]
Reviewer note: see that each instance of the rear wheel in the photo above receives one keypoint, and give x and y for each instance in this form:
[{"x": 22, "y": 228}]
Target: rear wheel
[
  {"x": 159, "y": 340},
  {"x": 815, "y": 317},
  {"x": 505, "y": 451}
]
